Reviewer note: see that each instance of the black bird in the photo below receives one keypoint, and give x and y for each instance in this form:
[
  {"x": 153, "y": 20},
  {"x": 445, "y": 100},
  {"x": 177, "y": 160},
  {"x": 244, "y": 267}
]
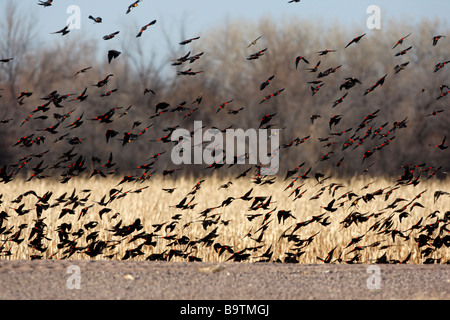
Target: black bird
[
  {"x": 188, "y": 40},
  {"x": 298, "y": 59},
  {"x": 329, "y": 207},
  {"x": 401, "y": 41},
  {"x": 314, "y": 117},
  {"x": 325, "y": 52},
  {"x": 400, "y": 53},
  {"x": 132, "y": 6},
  {"x": 334, "y": 120},
  {"x": 82, "y": 71},
  {"x": 113, "y": 54},
  {"x": 441, "y": 145},
  {"x": 266, "y": 119},
  {"x": 315, "y": 68},
  {"x": 63, "y": 31},
  {"x": 45, "y": 4},
  {"x": 145, "y": 28},
  {"x": 110, "y": 36},
  {"x": 266, "y": 83},
  {"x": 338, "y": 101},
  {"x": 355, "y": 40},
  {"x": 379, "y": 82},
  {"x": 440, "y": 65},
  {"x": 96, "y": 20},
  {"x": 436, "y": 39},
  {"x": 282, "y": 215}
]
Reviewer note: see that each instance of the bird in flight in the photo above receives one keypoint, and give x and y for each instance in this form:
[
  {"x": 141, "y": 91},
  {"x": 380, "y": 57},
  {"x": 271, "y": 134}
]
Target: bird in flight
[
  {"x": 96, "y": 20},
  {"x": 338, "y": 101},
  {"x": 436, "y": 39},
  {"x": 298, "y": 59},
  {"x": 440, "y": 65},
  {"x": 47, "y": 3},
  {"x": 63, "y": 31},
  {"x": 403, "y": 51},
  {"x": 378, "y": 83},
  {"x": 266, "y": 83},
  {"x": 145, "y": 28},
  {"x": 435, "y": 112},
  {"x": 82, "y": 71},
  {"x": 147, "y": 90},
  {"x": 315, "y": 68},
  {"x": 441, "y": 145},
  {"x": 113, "y": 54},
  {"x": 256, "y": 55},
  {"x": 254, "y": 42},
  {"x": 110, "y": 36},
  {"x": 272, "y": 95},
  {"x": 401, "y": 41},
  {"x": 132, "y": 6},
  {"x": 188, "y": 40},
  {"x": 356, "y": 40},
  {"x": 400, "y": 67},
  {"x": 325, "y": 52},
  {"x": 349, "y": 83}
]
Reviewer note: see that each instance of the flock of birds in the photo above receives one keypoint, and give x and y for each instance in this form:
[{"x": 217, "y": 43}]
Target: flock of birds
[{"x": 430, "y": 233}]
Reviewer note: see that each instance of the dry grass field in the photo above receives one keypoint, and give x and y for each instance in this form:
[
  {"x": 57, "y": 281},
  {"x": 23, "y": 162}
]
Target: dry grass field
[{"x": 203, "y": 226}]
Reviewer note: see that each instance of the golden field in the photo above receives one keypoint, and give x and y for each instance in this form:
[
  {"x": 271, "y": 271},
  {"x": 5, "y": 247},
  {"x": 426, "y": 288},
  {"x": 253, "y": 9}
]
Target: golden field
[{"x": 153, "y": 206}]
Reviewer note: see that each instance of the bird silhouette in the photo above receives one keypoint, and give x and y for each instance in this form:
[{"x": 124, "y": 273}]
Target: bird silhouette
[
  {"x": 45, "y": 4},
  {"x": 132, "y": 6},
  {"x": 111, "y": 35},
  {"x": 96, "y": 20},
  {"x": 441, "y": 145},
  {"x": 355, "y": 40},
  {"x": 63, "y": 31},
  {"x": 436, "y": 39},
  {"x": 298, "y": 59},
  {"x": 145, "y": 28},
  {"x": 113, "y": 54}
]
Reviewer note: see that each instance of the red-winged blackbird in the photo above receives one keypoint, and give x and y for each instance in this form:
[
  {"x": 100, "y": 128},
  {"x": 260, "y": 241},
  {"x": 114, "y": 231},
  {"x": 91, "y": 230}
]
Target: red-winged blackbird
[
  {"x": 96, "y": 20},
  {"x": 440, "y": 65},
  {"x": 132, "y": 6},
  {"x": 266, "y": 83},
  {"x": 110, "y": 36},
  {"x": 188, "y": 40},
  {"x": 145, "y": 28},
  {"x": 325, "y": 52},
  {"x": 441, "y": 145},
  {"x": 355, "y": 40},
  {"x": 403, "y": 51},
  {"x": 63, "y": 31},
  {"x": 436, "y": 39},
  {"x": 45, "y": 4},
  {"x": 298, "y": 59},
  {"x": 401, "y": 41},
  {"x": 113, "y": 54}
]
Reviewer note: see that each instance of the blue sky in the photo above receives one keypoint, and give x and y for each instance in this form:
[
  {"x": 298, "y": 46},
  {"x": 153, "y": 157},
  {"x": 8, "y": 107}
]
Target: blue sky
[{"x": 200, "y": 15}]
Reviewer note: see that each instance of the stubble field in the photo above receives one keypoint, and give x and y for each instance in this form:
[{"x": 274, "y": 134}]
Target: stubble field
[{"x": 141, "y": 221}]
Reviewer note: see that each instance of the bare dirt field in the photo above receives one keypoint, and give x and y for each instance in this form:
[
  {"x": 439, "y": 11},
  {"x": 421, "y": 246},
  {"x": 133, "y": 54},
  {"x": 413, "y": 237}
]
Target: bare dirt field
[{"x": 158, "y": 280}]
